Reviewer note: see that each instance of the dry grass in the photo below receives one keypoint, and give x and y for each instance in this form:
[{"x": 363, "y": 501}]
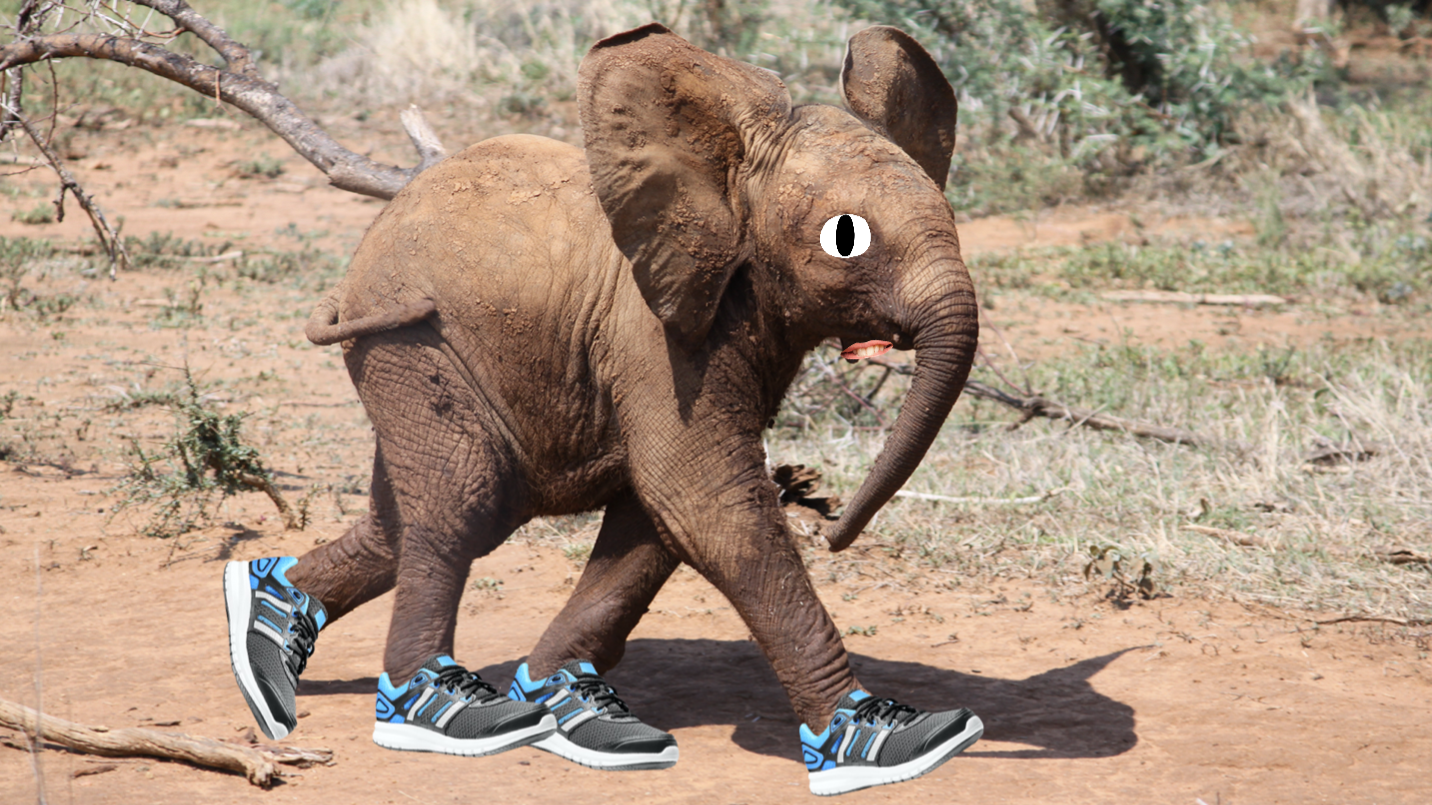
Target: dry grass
[{"x": 1323, "y": 525}]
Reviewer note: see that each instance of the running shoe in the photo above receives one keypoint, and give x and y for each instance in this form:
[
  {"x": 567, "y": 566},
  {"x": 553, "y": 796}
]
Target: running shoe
[
  {"x": 272, "y": 626},
  {"x": 447, "y": 708},
  {"x": 594, "y": 727},
  {"x": 874, "y": 742}
]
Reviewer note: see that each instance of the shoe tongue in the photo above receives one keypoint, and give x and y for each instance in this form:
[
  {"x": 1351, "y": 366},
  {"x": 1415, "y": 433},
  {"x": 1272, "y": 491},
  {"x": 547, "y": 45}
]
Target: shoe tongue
[
  {"x": 851, "y": 700},
  {"x": 311, "y": 605},
  {"x": 439, "y": 662},
  {"x": 580, "y": 668}
]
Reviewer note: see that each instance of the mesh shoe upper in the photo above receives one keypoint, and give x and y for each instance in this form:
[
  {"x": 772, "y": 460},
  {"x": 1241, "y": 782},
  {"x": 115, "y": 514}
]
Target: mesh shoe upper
[
  {"x": 445, "y": 697},
  {"x": 283, "y": 623},
  {"x": 867, "y": 731},
  {"x": 589, "y": 713}
]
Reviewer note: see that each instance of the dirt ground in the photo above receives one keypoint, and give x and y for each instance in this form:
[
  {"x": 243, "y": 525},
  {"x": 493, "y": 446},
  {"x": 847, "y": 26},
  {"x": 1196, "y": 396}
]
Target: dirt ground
[{"x": 1171, "y": 700}]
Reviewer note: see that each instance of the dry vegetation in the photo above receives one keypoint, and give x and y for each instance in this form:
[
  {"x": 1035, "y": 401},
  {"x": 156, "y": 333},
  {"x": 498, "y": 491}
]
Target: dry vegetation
[{"x": 1327, "y": 475}]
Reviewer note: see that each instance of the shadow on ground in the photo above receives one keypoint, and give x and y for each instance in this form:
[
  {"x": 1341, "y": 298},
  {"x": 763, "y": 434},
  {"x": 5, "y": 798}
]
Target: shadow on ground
[{"x": 685, "y": 683}]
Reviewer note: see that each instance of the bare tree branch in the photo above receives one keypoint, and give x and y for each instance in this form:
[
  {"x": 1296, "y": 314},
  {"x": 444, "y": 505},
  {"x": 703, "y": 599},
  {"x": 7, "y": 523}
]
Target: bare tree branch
[
  {"x": 238, "y": 57},
  {"x": 108, "y": 238},
  {"x": 425, "y": 140},
  {"x": 260, "y": 99}
]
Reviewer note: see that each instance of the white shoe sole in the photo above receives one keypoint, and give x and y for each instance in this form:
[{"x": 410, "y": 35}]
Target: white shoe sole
[
  {"x": 853, "y": 778},
  {"x": 238, "y": 602},
  {"x": 561, "y": 746},
  {"x": 412, "y": 738}
]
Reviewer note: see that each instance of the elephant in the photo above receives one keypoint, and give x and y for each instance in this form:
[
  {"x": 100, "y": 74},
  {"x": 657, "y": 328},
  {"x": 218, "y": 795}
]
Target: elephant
[{"x": 536, "y": 329}]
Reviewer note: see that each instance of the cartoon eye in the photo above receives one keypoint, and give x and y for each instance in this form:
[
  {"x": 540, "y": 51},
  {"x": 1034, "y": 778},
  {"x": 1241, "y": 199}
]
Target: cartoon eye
[{"x": 845, "y": 236}]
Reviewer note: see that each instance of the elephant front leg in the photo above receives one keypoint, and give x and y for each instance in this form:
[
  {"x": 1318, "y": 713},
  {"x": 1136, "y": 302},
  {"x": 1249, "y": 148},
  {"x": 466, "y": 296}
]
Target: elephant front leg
[
  {"x": 739, "y": 542},
  {"x": 628, "y": 565}
]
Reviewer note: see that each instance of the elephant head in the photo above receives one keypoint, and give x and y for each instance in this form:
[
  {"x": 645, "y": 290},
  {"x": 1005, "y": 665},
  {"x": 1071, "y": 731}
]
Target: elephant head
[{"x": 704, "y": 168}]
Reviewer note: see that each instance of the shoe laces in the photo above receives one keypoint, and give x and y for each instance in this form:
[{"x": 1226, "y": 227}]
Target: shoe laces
[
  {"x": 880, "y": 712},
  {"x": 302, "y": 631},
  {"x": 595, "y": 691},
  {"x": 459, "y": 680}
]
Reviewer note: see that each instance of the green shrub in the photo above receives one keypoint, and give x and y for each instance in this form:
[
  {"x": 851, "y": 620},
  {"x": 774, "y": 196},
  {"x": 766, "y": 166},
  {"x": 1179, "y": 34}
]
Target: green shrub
[{"x": 1166, "y": 77}]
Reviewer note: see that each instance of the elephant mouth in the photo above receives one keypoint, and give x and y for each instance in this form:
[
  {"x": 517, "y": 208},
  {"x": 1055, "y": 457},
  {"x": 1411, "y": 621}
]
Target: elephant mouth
[{"x": 865, "y": 349}]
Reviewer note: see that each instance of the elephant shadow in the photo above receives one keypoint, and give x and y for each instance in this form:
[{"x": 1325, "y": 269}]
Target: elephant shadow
[{"x": 674, "y": 683}]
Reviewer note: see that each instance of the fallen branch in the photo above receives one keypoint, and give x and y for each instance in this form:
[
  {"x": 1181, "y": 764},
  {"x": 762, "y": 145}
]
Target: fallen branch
[
  {"x": 1396, "y": 556},
  {"x": 1377, "y": 619},
  {"x": 1040, "y": 498},
  {"x": 255, "y": 761},
  {"x": 1181, "y": 298},
  {"x": 1037, "y": 406}
]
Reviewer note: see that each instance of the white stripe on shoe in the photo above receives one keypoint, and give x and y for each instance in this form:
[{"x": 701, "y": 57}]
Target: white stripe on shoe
[
  {"x": 844, "y": 779},
  {"x": 238, "y": 604}
]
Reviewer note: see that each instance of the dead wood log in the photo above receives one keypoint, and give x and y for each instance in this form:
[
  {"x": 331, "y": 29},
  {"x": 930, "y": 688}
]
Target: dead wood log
[
  {"x": 240, "y": 85},
  {"x": 254, "y": 761}
]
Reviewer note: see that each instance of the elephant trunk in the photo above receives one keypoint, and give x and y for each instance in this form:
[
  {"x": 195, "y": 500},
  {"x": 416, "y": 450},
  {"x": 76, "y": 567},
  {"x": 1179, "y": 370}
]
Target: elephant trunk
[{"x": 944, "y": 339}]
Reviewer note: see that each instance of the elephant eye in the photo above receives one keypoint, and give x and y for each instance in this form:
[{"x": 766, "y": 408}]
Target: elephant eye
[{"x": 845, "y": 236}]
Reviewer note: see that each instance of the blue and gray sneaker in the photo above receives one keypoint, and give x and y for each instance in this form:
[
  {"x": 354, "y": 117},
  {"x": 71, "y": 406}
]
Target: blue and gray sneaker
[
  {"x": 594, "y": 727},
  {"x": 874, "y": 741},
  {"x": 447, "y": 708},
  {"x": 272, "y": 626}
]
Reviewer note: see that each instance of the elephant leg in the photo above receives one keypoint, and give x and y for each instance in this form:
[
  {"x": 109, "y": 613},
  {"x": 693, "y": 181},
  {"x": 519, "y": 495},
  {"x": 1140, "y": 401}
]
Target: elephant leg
[
  {"x": 755, "y": 564},
  {"x": 363, "y": 563},
  {"x": 628, "y": 565},
  {"x": 456, "y": 490}
]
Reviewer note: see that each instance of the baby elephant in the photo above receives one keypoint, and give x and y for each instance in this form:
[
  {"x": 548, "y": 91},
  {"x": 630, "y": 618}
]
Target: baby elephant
[{"x": 537, "y": 330}]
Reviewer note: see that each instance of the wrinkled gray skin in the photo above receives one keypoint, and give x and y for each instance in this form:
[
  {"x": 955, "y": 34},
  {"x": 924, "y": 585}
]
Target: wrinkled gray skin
[{"x": 538, "y": 330}]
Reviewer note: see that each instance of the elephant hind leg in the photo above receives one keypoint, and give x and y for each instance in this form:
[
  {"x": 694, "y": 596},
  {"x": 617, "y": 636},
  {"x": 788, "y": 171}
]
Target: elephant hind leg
[
  {"x": 455, "y": 485},
  {"x": 628, "y": 565},
  {"x": 363, "y": 563}
]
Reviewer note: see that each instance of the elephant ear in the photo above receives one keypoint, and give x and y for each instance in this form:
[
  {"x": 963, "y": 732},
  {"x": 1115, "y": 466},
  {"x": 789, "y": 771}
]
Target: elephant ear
[
  {"x": 668, "y": 130},
  {"x": 890, "y": 82}
]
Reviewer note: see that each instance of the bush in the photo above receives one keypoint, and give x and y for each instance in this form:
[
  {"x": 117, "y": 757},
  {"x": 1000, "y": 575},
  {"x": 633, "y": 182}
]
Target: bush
[{"x": 1163, "y": 76}]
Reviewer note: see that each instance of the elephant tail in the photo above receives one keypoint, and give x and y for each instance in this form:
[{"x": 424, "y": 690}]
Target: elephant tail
[{"x": 323, "y": 327}]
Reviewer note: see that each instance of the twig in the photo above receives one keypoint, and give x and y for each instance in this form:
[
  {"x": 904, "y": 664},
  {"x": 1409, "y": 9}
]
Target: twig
[
  {"x": 291, "y": 521},
  {"x": 1034, "y": 405},
  {"x": 1399, "y": 556},
  {"x": 1040, "y": 406},
  {"x": 256, "y": 762},
  {"x": 1179, "y": 297},
  {"x": 1235, "y": 537},
  {"x": 1040, "y": 498},
  {"x": 1377, "y": 619},
  {"x": 108, "y": 238}
]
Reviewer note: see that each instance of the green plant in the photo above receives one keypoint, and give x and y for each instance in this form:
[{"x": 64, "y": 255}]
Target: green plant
[
  {"x": 17, "y": 255},
  {"x": 205, "y": 457},
  {"x": 262, "y": 166},
  {"x": 577, "y": 552},
  {"x": 42, "y": 213},
  {"x": 165, "y": 250},
  {"x": 487, "y": 584},
  {"x": 1131, "y": 574}
]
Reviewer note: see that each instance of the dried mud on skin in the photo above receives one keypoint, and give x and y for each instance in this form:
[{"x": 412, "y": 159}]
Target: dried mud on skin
[{"x": 1174, "y": 699}]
